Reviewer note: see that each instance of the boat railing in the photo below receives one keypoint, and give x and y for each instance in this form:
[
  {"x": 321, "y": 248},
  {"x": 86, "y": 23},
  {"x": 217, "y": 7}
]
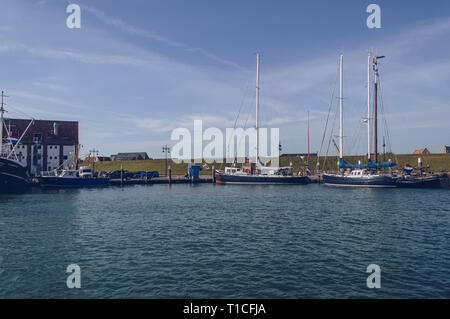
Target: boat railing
[{"x": 48, "y": 173}]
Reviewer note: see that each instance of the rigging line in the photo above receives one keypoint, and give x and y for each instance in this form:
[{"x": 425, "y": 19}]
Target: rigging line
[
  {"x": 356, "y": 138},
  {"x": 386, "y": 126},
  {"x": 237, "y": 117},
  {"x": 8, "y": 134},
  {"x": 21, "y": 112},
  {"x": 245, "y": 123},
  {"x": 329, "y": 110},
  {"x": 331, "y": 135},
  {"x": 328, "y": 116}
]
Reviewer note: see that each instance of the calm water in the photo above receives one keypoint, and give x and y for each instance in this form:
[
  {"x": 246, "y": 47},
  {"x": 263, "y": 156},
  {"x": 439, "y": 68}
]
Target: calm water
[{"x": 216, "y": 241}]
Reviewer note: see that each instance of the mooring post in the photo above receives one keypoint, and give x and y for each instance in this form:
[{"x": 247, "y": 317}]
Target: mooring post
[
  {"x": 121, "y": 175},
  {"x": 214, "y": 174},
  {"x": 170, "y": 175}
]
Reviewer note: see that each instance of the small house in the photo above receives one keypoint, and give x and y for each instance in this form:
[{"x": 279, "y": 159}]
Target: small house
[{"x": 422, "y": 151}]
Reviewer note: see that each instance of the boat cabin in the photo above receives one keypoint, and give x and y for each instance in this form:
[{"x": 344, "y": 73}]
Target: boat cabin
[
  {"x": 68, "y": 174},
  {"x": 234, "y": 171},
  {"x": 85, "y": 172}
]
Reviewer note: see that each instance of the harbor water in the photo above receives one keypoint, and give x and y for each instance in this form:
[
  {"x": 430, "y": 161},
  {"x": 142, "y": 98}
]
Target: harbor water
[{"x": 226, "y": 241}]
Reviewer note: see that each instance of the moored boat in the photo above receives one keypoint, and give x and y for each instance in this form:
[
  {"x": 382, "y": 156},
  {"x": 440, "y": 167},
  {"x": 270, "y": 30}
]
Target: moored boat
[
  {"x": 14, "y": 177},
  {"x": 417, "y": 181},
  {"x": 259, "y": 174},
  {"x": 283, "y": 175},
  {"x": 361, "y": 175},
  {"x": 72, "y": 179}
]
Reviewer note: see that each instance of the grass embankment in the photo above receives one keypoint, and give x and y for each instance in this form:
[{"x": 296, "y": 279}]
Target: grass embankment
[{"x": 436, "y": 162}]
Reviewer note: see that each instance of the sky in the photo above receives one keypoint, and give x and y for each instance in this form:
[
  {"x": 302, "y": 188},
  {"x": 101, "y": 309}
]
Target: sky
[{"x": 138, "y": 69}]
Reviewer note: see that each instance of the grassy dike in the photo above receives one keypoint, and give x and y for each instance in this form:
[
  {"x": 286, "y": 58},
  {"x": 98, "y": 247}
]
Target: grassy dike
[{"x": 436, "y": 162}]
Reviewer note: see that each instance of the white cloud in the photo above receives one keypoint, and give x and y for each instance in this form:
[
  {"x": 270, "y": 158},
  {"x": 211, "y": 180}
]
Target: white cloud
[{"x": 132, "y": 30}]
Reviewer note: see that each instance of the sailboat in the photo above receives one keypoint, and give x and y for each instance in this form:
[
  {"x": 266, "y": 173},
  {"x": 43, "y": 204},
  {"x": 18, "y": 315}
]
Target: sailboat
[
  {"x": 361, "y": 175},
  {"x": 14, "y": 177},
  {"x": 258, "y": 173}
]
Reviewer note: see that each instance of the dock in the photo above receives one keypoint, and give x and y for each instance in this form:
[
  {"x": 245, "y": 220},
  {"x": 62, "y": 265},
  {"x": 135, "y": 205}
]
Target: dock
[{"x": 175, "y": 179}]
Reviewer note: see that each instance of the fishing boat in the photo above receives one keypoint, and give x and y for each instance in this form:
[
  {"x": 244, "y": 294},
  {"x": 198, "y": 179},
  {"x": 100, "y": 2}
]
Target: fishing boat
[
  {"x": 14, "y": 177},
  {"x": 258, "y": 173},
  {"x": 421, "y": 180},
  {"x": 361, "y": 175},
  {"x": 72, "y": 179},
  {"x": 412, "y": 181}
]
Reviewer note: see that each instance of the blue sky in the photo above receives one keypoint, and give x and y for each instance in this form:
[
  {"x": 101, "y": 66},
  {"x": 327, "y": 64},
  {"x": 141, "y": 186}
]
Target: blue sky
[{"x": 138, "y": 69}]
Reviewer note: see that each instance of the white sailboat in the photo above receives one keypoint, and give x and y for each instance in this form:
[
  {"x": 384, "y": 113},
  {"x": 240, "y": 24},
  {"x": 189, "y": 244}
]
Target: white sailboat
[{"x": 259, "y": 174}]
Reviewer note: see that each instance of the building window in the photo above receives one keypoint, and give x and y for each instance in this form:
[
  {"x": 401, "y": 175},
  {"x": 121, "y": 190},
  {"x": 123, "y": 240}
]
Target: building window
[{"x": 37, "y": 137}]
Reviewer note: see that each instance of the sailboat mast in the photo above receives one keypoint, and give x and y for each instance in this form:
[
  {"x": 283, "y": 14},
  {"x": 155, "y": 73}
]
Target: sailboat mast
[
  {"x": 375, "y": 111},
  {"x": 308, "y": 136},
  {"x": 257, "y": 109},
  {"x": 1, "y": 125},
  {"x": 368, "y": 106},
  {"x": 341, "y": 118}
]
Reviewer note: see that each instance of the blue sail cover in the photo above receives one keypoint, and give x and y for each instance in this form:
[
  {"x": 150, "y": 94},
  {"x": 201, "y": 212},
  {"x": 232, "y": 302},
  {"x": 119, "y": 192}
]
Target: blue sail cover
[
  {"x": 381, "y": 165},
  {"x": 344, "y": 164}
]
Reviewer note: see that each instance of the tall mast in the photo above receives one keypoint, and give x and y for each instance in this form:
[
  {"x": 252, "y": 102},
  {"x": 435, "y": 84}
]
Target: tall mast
[
  {"x": 375, "y": 112},
  {"x": 341, "y": 118},
  {"x": 1, "y": 125},
  {"x": 375, "y": 106},
  {"x": 368, "y": 106},
  {"x": 257, "y": 109},
  {"x": 308, "y": 136}
]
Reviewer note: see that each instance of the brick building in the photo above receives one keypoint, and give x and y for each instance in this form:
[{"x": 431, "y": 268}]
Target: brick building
[{"x": 46, "y": 144}]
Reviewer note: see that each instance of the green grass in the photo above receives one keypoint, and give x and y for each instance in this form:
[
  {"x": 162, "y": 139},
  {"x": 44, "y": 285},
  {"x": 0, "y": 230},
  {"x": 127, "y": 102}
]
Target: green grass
[
  {"x": 149, "y": 165},
  {"x": 436, "y": 162}
]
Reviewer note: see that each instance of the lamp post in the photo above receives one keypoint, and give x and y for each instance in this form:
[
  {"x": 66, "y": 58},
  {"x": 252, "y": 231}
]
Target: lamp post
[
  {"x": 166, "y": 150},
  {"x": 93, "y": 154}
]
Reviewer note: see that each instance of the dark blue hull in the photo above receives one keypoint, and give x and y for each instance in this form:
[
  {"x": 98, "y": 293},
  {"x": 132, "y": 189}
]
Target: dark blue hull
[
  {"x": 61, "y": 182},
  {"x": 420, "y": 182},
  {"x": 251, "y": 179},
  {"x": 13, "y": 177},
  {"x": 364, "y": 181}
]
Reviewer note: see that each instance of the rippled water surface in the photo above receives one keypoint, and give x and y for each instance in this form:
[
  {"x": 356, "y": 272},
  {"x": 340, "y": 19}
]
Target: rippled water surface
[{"x": 217, "y": 241}]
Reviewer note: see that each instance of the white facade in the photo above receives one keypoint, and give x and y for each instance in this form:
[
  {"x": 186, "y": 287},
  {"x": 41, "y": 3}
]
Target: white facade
[
  {"x": 37, "y": 159},
  {"x": 52, "y": 157},
  {"x": 68, "y": 159}
]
